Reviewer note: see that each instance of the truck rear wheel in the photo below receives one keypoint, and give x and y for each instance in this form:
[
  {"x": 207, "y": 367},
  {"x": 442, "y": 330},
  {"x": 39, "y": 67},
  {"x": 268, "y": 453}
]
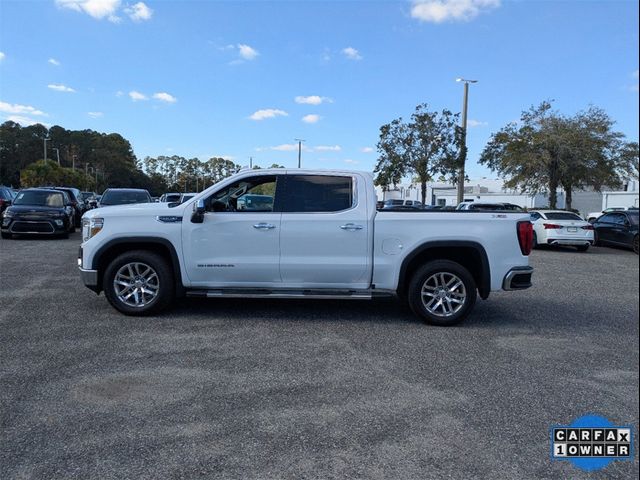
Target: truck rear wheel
[
  {"x": 442, "y": 293},
  {"x": 139, "y": 283}
]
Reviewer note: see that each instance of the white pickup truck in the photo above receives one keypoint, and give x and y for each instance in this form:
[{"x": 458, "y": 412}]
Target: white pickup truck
[{"x": 302, "y": 234}]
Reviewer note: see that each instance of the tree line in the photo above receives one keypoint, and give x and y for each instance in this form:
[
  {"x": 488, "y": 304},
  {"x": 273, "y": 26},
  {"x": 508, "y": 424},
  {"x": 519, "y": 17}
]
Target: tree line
[
  {"x": 92, "y": 160},
  {"x": 543, "y": 152}
]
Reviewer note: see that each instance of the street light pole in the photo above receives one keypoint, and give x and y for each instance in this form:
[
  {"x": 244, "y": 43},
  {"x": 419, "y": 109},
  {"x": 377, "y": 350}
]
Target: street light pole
[
  {"x": 57, "y": 154},
  {"x": 299, "y": 151},
  {"x": 46, "y": 139},
  {"x": 463, "y": 146}
]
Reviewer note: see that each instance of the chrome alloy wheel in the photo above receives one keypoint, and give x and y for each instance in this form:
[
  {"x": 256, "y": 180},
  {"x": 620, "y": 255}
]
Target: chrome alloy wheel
[
  {"x": 443, "y": 294},
  {"x": 136, "y": 284}
]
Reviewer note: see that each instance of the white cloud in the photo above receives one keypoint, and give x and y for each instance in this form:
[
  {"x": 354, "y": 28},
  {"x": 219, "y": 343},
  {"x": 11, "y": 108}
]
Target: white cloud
[
  {"x": 119, "y": 93},
  {"x": 165, "y": 97},
  {"x": 285, "y": 147},
  {"x": 137, "y": 96},
  {"x": 351, "y": 53},
  {"x": 2, "y": 55},
  {"x": 312, "y": 100},
  {"x": 327, "y": 148},
  {"x": 24, "y": 121},
  {"x": 311, "y": 118},
  {"x": 471, "y": 123},
  {"x": 95, "y": 114},
  {"x": 60, "y": 88},
  {"x": 367, "y": 150},
  {"x": 351, "y": 162},
  {"x": 246, "y": 52},
  {"x": 267, "y": 113},
  {"x": 438, "y": 11},
  {"x": 54, "y": 62},
  {"x": 16, "y": 109},
  {"x": 139, "y": 12},
  {"x": 97, "y": 9}
]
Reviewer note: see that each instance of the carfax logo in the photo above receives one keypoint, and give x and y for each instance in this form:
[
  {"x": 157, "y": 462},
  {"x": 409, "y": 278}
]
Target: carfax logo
[{"x": 591, "y": 442}]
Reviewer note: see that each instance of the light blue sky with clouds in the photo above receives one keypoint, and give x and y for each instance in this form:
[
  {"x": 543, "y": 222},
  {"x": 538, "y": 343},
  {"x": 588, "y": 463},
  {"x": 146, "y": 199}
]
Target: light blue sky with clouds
[{"x": 241, "y": 79}]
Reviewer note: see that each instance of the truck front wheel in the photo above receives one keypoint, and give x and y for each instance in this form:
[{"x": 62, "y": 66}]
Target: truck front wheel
[
  {"x": 139, "y": 283},
  {"x": 442, "y": 293}
]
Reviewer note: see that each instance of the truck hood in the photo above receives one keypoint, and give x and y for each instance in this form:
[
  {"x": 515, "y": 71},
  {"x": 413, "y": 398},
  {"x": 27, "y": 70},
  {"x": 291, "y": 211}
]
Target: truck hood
[{"x": 135, "y": 210}]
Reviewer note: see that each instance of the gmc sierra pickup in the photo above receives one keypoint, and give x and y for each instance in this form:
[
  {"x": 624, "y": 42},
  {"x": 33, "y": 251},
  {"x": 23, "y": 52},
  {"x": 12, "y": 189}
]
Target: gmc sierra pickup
[{"x": 301, "y": 234}]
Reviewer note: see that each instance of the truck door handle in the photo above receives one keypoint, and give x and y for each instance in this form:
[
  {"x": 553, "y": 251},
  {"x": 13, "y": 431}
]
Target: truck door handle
[
  {"x": 264, "y": 226},
  {"x": 351, "y": 227}
]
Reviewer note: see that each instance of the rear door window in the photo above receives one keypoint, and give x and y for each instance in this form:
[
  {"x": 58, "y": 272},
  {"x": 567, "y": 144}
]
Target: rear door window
[{"x": 317, "y": 194}]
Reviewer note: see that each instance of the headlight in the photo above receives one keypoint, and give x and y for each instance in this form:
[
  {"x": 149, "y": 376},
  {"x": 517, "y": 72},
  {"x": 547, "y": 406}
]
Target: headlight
[
  {"x": 91, "y": 227},
  {"x": 59, "y": 222}
]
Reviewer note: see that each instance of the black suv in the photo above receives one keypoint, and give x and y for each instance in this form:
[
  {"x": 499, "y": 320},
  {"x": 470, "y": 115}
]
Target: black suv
[
  {"x": 124, "y": 196},
  {"x": 76, "y": 202},
  {"x": 6, "y": 197},
  {"x": 38, "y": 211}
]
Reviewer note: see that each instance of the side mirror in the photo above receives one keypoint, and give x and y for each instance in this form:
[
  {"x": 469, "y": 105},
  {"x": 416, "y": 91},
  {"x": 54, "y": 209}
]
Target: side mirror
[{"x": 198, "y": 212}]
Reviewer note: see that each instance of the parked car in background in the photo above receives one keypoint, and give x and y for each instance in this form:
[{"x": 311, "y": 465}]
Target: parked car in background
[
  {"x": 36, "y": 211},
  {"x": 89, "y": 199},
  {"x": 170, "y": 197},
  {"x": 593, "y": 216},
  {"x": 124, "y": 196},
  {"x": 186, "y": 196},
  {"x": 490, "y": 207},
  {"x": 7, "y": 195},
  {"x": 255, "y": 203},
  {"x": 559, "y": 227},
  {"x": 619, "y": 228}
]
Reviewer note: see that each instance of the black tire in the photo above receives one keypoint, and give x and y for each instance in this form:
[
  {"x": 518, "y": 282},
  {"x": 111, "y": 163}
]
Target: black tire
[
  {"x": 583, "y": 248},
  {"x": 635, "y": 244},
  {"x": 6, "y": 235},
  {"x": 165, "y": 290},
  {"x": 72, "y": 228},
  {"x": 535, "y": 240},
  {"x": 596, "y": 239},
  {"x": 426, "y": 274}
]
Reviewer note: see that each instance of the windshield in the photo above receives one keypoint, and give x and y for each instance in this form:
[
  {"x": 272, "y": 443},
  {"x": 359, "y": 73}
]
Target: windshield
[
  {"x": 124, "y": 197},
  {"x": 40, "y": 198},
  {"x": 562, "y": 216},
  {"x": 86, "y": 195}
]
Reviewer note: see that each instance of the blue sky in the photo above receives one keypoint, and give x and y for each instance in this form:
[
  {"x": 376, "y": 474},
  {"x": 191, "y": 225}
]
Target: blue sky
[{"x": 241, "y": 79}]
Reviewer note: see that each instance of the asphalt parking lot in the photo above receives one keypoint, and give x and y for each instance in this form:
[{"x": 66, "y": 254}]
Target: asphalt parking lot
[{"x": 309, "y": 389}]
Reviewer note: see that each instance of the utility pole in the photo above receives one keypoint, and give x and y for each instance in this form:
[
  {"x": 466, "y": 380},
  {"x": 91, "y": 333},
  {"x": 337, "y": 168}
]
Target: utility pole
[
  {"x": 57, "y": 154},
  {"x": 463, "y": 146},
  {"x": 299, "y": 151},
  {"x": 46, "y": 139},
  {"x": 73, "y": 162},
  {"x": 250, "y": 162}
]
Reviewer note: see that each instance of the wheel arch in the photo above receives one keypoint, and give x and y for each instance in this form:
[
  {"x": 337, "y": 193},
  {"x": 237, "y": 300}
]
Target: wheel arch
[
  {"x": 161, "y": 246},
  {"x": 469, "y": 254}
]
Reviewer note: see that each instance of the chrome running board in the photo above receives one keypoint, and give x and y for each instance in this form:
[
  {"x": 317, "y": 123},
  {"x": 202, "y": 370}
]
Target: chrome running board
[{"x": 288, "y": 293}]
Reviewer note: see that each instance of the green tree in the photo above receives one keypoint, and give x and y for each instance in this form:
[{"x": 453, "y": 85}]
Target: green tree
[
  {"x": 421, "y": 148},
  {"x": 48, "y": 173},
  {"x": 547, "y": 151}
]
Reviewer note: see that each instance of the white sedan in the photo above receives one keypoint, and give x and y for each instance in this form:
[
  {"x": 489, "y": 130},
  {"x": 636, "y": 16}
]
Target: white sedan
[{"x": 559, "y": 227}]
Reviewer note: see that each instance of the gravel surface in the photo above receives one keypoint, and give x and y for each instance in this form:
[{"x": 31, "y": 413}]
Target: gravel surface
[{"x": 310, "y": 389}]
